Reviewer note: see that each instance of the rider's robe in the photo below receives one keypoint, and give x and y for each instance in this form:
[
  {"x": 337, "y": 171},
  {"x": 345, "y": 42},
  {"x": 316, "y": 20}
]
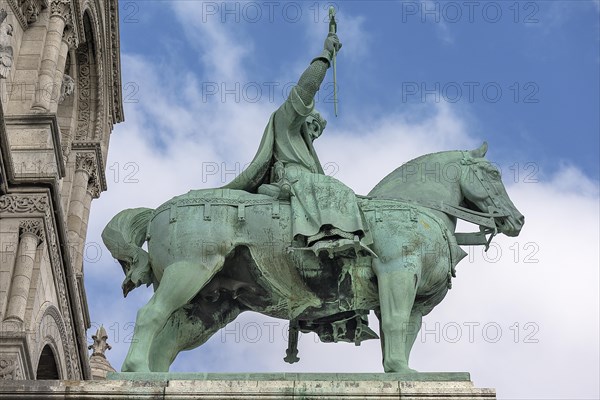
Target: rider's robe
[{"x": 317, "y": 199}]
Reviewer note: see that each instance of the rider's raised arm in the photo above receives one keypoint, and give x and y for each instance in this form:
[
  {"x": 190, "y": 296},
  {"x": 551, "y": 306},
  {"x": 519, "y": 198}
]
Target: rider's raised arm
[{"x": 300, "y": 102}]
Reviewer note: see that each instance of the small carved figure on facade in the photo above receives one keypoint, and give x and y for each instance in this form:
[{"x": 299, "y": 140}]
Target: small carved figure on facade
[
  {"x": 67, "y": 88},
  {"x": 6, "y": 50},
  {"x": 31, "y": 10}
]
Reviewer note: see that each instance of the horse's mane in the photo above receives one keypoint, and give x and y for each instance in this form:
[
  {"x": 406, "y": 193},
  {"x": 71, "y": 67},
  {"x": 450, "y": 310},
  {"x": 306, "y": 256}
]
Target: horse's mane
[{"x": 406, "y": 173}]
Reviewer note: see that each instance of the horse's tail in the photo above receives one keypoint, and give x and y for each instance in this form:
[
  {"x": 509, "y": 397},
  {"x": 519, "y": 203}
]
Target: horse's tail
[{"x": 124, "y": 236}]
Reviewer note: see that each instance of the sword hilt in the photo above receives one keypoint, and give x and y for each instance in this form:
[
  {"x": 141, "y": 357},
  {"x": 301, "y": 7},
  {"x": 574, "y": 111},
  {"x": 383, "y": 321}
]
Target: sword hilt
[{"x": 332, "y": 22}]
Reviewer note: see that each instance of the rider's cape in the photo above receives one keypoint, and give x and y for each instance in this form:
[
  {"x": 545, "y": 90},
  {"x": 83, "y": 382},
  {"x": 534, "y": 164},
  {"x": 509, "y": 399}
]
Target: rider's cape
[{"x": 258, "y": 171}]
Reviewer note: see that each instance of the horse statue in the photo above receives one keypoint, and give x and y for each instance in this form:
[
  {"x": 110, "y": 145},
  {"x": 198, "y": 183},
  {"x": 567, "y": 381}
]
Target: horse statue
[{"x": 215, "y": 253}]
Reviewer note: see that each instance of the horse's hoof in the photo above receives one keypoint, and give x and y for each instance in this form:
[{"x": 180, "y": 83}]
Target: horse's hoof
[
  {"x": 129, "y": 366},
  {"x": 400, "y": 369}
]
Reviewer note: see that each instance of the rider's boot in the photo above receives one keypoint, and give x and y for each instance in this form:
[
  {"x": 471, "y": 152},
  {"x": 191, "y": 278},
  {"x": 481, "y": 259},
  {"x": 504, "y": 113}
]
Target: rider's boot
[{"x": 338, "y": 245}]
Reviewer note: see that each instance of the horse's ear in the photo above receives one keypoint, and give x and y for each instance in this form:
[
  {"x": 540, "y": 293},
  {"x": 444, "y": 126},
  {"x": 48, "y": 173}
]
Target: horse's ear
[{"x": 480, "y": 152}]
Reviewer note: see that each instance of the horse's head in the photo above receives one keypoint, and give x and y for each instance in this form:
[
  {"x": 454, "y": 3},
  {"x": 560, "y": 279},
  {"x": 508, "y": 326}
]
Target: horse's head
[{"x": 482, "y": 186}]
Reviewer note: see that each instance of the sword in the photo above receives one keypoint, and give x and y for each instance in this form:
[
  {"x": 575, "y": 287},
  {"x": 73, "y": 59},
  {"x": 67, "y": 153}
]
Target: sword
[{"x": 333, "y": 29}]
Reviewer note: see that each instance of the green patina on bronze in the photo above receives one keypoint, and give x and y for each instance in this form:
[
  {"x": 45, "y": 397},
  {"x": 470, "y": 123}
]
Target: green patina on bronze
[{"x": 215, "y": 253}]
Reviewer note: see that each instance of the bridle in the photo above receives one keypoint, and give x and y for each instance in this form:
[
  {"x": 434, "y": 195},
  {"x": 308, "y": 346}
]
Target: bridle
[{"x": 485, "y": 220}]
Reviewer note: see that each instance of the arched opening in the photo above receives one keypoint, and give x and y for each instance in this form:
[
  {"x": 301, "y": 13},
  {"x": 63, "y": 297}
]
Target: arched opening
[{"x": 47, "y": 368}]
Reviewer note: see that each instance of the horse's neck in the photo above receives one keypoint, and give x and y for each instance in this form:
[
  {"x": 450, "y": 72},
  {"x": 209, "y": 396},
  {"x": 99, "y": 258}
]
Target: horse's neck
[
  {"x": 431, "y": 178},
  {"x": 433, "y": 190}
]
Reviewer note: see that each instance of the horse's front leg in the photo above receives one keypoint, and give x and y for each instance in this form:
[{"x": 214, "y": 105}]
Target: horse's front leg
[
  {"x": 180, "y": 282},
  {"x": 183, "y": 332},
  {"x": 397, "y": 281}
]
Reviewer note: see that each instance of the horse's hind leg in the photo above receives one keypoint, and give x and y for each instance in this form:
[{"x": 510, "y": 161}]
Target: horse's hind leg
[
  {"x": 397, "y": 282},
  {"x": 180, "y": 282}
]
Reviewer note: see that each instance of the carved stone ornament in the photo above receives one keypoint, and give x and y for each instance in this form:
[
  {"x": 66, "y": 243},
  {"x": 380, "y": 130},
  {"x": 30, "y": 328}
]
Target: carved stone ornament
[
  {"x": 33, "y": 227},
  {"x": 70, "y": 37},
  {"x": 116, "y": 64},
  {"x": 67, "y": 88},
  {"x": 61, "y": 8},
  {"x": 31, "y": 10},
  {"x": 93, "y": 186},
  {"x": 86, "y": 162},
  {"x": 83, "y": 93},
  {"x": 100, "y": 345},
  {"x": 9, "y": 369},
  {"x": 6, "y": 50},
  {"x": 23, "y": 204}
]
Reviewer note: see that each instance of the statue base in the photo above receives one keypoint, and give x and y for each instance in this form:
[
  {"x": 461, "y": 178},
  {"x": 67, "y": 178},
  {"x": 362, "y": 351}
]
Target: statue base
[{"x": 255, "y": 386}]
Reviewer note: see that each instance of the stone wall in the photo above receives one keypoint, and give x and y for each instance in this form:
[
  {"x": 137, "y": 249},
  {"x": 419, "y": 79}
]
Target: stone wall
[{"x": 60, "y": 97}]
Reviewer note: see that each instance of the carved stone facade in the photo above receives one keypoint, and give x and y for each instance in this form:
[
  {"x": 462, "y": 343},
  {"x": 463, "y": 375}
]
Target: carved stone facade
[{"x": 60, "y": 96}]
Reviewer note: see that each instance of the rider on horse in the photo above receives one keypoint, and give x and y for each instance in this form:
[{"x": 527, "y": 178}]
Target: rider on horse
[{"x": 325, "y": 214}]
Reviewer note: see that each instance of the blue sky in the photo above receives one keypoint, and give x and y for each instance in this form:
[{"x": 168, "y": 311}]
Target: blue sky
[
  {"x": 541, "y": 56},
  {"x": 201, "y": 78}
]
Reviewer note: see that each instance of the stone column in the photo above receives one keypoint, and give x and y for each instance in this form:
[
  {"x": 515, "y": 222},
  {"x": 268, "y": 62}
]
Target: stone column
[
  {"x": 60, "y": 70},
  {"x": 30, "y": 237},
  {"x": 85, "y": 172},
  {"x": 92, "y": 192},
  {"x": 60, "y": 15}
]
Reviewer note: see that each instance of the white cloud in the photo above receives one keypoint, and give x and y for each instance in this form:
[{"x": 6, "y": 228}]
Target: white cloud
[
  {"x": 222, "y": 49},
  {"x": 366, "y": 150},
  {"x": 435, "y": 12}
]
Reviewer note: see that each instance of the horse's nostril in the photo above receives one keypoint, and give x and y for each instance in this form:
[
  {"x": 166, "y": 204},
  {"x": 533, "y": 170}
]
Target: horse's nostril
[{"x": 521, "y": 219}]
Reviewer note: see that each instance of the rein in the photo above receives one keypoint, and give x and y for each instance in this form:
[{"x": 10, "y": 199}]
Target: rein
[{"x": 486, "y": 221}]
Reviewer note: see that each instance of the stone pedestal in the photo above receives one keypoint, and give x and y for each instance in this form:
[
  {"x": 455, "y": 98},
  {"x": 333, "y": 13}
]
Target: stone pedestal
[{"x": 255, "y": 386}]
